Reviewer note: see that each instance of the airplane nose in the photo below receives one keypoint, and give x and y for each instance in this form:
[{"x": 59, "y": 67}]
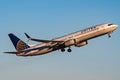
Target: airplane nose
[{"x": 115, "y": 26}]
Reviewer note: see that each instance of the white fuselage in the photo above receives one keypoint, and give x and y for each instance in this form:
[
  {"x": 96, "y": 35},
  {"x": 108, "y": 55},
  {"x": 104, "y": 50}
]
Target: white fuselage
[{"x": 75, "y": 38}]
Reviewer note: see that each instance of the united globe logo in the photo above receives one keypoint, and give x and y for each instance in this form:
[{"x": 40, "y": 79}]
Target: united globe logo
[{"x": 21, "y": 45}]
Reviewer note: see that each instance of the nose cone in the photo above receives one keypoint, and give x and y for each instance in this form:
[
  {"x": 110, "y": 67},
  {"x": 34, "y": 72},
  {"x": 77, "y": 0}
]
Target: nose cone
[{"x": 115, "y": 26}]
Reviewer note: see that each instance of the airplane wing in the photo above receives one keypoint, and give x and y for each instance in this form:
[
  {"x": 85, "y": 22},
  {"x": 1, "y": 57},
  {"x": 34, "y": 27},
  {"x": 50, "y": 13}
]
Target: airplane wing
[{"x": 41, "y": 40}]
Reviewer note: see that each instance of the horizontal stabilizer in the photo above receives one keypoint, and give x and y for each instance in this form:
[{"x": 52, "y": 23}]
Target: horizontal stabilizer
[{"x": 11, "y": 52}]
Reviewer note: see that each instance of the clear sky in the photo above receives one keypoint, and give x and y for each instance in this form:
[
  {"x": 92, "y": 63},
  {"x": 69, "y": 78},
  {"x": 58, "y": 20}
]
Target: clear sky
[{"x": 46, "y": 19}]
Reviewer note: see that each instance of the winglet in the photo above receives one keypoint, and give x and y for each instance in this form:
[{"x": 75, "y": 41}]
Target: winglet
[{"x": 27, "y": 36}]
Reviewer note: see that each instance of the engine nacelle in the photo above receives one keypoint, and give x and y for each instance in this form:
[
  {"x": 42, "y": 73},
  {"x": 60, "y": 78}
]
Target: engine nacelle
[{"x": 81, "y": 44}]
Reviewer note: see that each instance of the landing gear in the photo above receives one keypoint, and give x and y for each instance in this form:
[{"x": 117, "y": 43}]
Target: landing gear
[
  {"x": 69, "y": 50},
  {"x": 62, "y": 50},
  {"x": 109, "y": 35}
]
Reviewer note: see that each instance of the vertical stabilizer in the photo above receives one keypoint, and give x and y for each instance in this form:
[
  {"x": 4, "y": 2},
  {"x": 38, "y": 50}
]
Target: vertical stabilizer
[{"x": 18, "y": 44}]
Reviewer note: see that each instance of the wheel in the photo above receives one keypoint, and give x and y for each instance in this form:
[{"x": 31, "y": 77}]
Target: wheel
[
  {"x": 109, "y": 35},
  {"x": 63, "y": 50},
  {"x": 69, "y": 50}
]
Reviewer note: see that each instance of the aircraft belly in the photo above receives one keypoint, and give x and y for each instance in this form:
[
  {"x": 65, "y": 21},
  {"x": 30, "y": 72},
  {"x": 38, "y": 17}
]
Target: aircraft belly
[{"x": 43, "y": 51}]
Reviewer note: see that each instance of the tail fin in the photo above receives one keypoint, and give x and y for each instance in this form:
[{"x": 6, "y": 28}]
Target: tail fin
[{"x": 18, "y": 44}]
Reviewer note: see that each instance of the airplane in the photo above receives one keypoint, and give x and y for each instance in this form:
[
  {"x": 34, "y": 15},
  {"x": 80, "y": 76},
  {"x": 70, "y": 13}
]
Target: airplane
[{"x": 77, "y": 39}]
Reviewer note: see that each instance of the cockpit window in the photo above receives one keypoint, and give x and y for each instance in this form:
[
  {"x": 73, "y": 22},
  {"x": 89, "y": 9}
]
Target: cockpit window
[{"x": 110, "y": 24}]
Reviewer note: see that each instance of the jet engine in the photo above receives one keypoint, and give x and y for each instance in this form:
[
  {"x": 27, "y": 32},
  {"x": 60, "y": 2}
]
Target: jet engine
[{"x": 81, "y": 44}]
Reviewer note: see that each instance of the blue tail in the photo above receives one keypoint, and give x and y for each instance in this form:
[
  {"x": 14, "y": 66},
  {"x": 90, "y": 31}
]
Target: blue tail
[{"x": 18, "y": 44}]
